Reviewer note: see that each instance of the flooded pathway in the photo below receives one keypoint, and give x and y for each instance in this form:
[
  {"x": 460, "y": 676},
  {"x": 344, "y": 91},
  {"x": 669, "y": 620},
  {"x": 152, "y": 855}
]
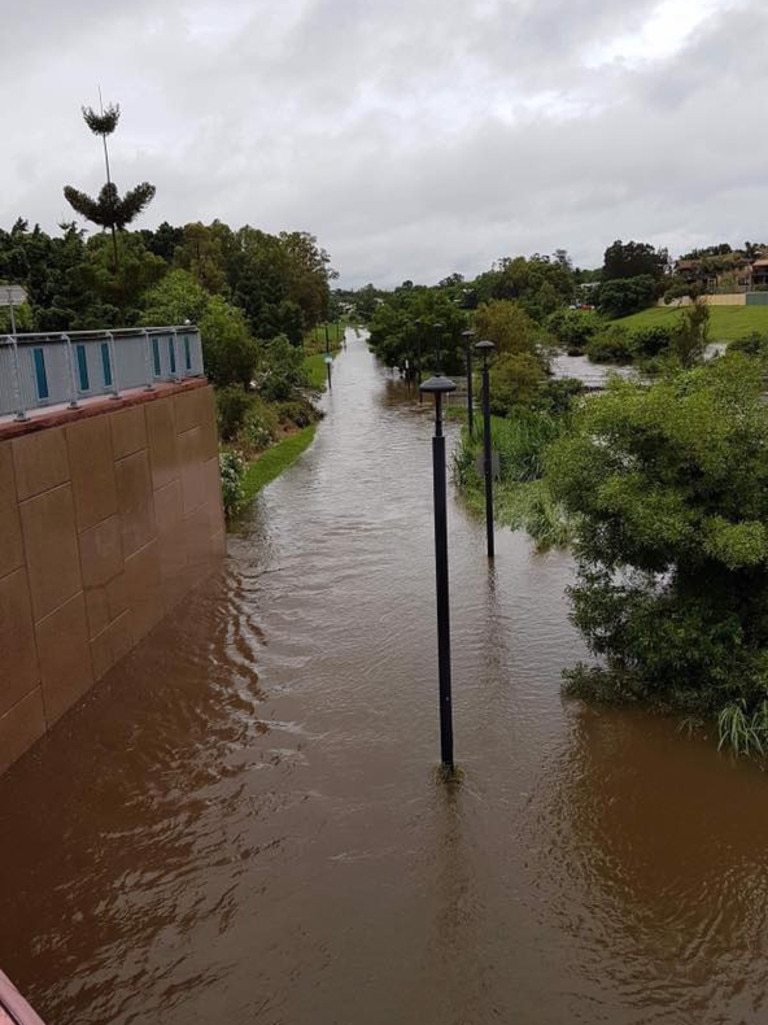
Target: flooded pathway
[{"x": 240, "y": 825}]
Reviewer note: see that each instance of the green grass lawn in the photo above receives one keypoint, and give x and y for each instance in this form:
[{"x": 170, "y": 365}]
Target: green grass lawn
[
  {"x": 274, "y": 460},
  {"x": 315, "y": 367},
  {"x": 314, "y": 340},
  {"x": 726, "y": 323}
]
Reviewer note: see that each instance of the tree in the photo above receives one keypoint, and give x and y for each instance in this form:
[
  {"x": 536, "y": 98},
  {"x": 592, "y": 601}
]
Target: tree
[
  {"x": 669, "y": 487},
  {"x": 117, "y": 290},
  {"x": 632, "y": 259},
  {"x": 230, "y": 354},
  {"x": 540, "y": 284},
  {"x": 516, "y": 380},
  {"x": 573, "y": 329},
  {"x": 419, "y": 323},
  {"x": 109, "y": 210},
  {"x": 177, "y": 298},
  {"x": 690, "y": 334},
  {"x": 285, "y": 371},
  {"x": 201, "y": 251},
  {"x": 619, "y": 297},
  {"x": 511, "y": 329}
]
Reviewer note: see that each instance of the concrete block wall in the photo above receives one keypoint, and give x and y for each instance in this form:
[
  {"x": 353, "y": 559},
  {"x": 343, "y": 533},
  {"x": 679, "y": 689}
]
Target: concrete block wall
[{"x": 108, "y": 517}]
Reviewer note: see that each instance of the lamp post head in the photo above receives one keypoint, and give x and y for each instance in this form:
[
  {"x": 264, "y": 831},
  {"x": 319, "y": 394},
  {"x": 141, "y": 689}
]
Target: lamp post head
[
  {"x": 438, "y": 385},
  {"x": 485, "y": 348}
]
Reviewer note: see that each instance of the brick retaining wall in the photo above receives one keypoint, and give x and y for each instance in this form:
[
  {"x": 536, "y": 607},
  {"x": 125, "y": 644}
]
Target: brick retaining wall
[{"x": 109, "y": 514}]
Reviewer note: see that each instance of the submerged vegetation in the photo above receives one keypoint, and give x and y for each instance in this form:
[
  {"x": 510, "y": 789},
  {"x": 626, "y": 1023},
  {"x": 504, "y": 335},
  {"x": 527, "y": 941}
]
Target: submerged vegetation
[{"x": 659, "y": 486}]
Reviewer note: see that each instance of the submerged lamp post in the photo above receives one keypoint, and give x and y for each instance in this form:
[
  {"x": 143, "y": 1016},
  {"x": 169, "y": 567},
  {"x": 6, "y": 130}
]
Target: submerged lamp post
[
  {"x": 486, "y": 348},
  {"x": 417, "y": 325},
  {"x": 468, "y": 336},
  {"x": 328, "y": 363},
  {"x": 438, "y": 329},
  {"x": 439, "y": 386}
]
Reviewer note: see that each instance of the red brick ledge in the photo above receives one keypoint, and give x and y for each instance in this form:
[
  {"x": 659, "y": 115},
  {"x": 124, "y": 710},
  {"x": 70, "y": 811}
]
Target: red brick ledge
[{"x": 39, "y": 420}]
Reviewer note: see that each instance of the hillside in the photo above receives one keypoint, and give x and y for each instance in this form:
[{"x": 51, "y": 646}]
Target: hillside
[{"x": 726, "y": 322}]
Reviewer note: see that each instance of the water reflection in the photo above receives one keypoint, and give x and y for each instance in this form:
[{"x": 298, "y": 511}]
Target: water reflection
[{"x": 661, "y": 869}]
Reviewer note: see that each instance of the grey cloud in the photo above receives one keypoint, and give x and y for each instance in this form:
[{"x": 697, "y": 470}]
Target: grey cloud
[{"x": 414, "y": 138}]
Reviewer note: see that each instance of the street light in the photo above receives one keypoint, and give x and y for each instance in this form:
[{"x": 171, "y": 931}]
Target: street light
[
  {"x": 438, "y": 329},
  {"x": 468, "y": 335},
  {"x": 486, "y": 348},
  {"x": 328, "y": 364},
  {"x": 417, "y": 326},
  {"x": 439, "y": 386}
]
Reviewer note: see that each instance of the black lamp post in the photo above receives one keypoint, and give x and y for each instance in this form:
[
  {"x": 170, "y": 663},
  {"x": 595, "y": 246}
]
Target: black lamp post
[
  {"x": 468, "y": 336},
  {"x": 417, "y": 325},
  {"x": 438, "y": 329},
  {"x": 327, "y": 339},
  {"x": 328, "y": 365},
  {"x": 439, "y": 386},
  {"x": 486, "y": 348}
]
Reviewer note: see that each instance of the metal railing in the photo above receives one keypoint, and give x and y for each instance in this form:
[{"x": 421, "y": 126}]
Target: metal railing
[{"x": 48, "y": 369}]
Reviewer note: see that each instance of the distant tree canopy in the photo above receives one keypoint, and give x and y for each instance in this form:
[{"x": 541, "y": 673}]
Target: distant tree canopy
[
  {"x": 280, "y": 282},
  {"x": 618, "y": 297},
  {"x": 418, "y": 325},
  {"x": 539, "y": 283},
  {"x": 634, "y": 259}
]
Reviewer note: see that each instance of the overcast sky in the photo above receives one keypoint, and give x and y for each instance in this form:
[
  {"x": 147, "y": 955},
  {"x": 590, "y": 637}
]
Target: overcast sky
[{"x": 414, "y": 138}]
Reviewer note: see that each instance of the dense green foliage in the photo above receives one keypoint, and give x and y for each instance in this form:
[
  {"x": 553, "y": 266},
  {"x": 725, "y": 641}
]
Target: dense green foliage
[
  {"x": 634, "y": 259},
  {"x": 418, "y": 326},
  {"x": 669, "y": 487},
  {"x": 618, "y": 297},
  {"x": 232, "y": 471},
  {"x": 280, "y": 282}
]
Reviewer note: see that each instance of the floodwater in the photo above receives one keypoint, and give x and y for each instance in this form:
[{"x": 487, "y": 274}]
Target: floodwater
[{"x": 241, "y": 824}]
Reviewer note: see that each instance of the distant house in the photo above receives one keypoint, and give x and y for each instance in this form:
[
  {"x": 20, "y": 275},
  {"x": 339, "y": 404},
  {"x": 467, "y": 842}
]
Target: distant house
[{"x": 724, "y": 272}]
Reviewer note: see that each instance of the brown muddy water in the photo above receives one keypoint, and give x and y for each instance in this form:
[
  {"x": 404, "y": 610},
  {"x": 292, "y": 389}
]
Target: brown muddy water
[{"x": 241, "y": 824}]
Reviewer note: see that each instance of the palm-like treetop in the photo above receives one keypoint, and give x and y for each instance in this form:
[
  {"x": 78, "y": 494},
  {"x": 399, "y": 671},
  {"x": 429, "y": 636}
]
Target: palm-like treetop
[{"x": 109, "y": 209}]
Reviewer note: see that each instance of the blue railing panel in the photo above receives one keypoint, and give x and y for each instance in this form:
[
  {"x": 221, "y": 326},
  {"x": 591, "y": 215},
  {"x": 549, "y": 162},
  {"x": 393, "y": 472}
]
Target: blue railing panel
[{"x": 43, "y": 370}]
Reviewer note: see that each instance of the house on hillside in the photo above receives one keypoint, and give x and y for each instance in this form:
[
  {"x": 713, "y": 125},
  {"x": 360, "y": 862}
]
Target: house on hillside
[{"x": 724, "y": 272}]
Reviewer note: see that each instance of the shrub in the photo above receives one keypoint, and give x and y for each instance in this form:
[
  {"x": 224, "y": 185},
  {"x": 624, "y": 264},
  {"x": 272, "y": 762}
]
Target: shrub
[
  {"x": 753, "y": 344},
  {"x": 297, "y": 412},
  {"x": 284, "y": 370},
  {"x": 669, "y": 487},
  {"x": 516, "y": 379},
  {"x": 261, "y": 425},
  {"x": 232, "y": 469},
  {"x": 649, "y": 342},
  {"x": 622, "y": 296},
  {"x": 611, "y": 345},
  {"x": 573, "y": 329},
  {"x": 231, "y": 407},
  {"x": 557, "y": 395}
]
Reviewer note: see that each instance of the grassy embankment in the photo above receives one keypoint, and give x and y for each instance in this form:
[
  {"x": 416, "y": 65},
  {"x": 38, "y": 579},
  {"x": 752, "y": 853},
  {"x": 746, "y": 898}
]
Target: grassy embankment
[
  {"x": 726, "y": 323},
  {"x": 274, "y": 460},
  {"x": 314, "y": 346},
  {"x": 270, "y": 463}
]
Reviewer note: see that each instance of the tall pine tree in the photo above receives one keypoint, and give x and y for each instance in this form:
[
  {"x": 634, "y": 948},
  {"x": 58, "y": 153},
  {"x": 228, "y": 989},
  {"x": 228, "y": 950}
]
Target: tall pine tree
[{"x": 109, "y": 209}]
